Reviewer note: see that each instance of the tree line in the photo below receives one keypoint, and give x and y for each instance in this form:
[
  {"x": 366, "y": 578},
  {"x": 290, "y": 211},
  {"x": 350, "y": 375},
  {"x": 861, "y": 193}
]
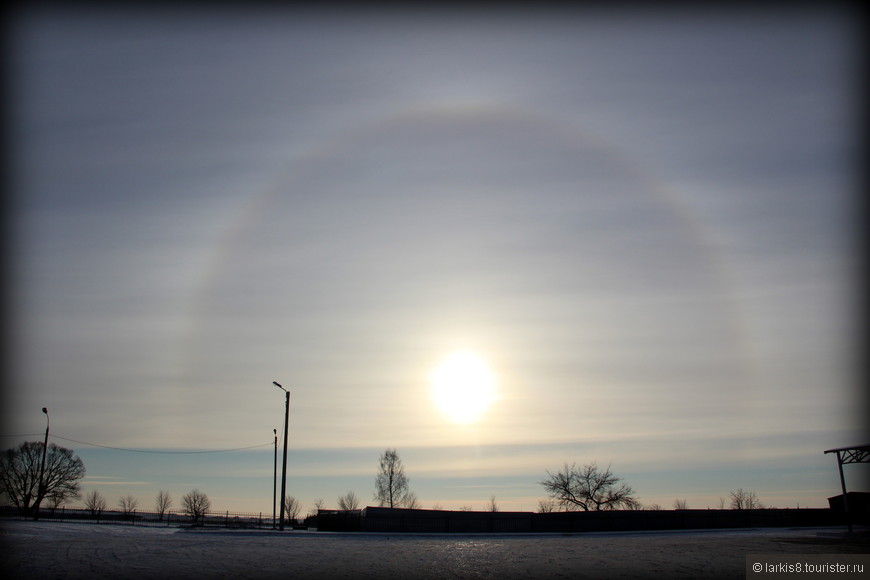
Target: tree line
[
  {"x": 195, "y": 503},
  {"x": 31, "y": 475}
]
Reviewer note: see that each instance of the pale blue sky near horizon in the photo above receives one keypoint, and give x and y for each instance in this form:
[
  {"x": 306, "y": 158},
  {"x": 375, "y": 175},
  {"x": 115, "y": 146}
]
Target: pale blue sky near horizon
[{"x": 644, "y": 222}]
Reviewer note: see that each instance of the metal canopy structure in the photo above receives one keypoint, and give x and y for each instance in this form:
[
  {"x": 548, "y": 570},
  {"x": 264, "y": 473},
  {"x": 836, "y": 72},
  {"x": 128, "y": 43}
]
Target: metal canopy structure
[{"x": 845, "y": 456}]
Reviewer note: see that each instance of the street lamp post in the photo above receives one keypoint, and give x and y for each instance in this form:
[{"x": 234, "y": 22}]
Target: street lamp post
[
  {"x": 41, "y": 491},
  {"x": 274, "y": 476},
  {"x": 284, "y": 465}
]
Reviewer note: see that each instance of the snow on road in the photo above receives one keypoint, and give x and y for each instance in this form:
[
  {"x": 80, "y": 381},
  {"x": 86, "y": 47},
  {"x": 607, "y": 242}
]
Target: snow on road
[{"x": 70, "y": 550}]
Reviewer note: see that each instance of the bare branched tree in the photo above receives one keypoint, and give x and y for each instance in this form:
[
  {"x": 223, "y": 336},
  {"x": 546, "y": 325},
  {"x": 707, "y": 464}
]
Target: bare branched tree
[
  {"x": 95, "y": 503},
  {"x": 317, "y": 506},
  {"x": 128, "y": 504},
  {"x": 23, "y": 481},
  {"x": 493, "y": 506},
  {"x": 681, "y": 504},
  {"x": 589, "y": 489},
  {"x": 162, "y": 503},
  {"x": 196, "y": 504},
  {"x": 546, "y": 506},
  {"x": 744, "y": 500},
  {"x": 349, "y": 501},
  {"x": 292, "y": 508},
  {"x": 391, "y": 484},
  {"x": 410, "y": 501},
  {"x": 60, "y": 497}
]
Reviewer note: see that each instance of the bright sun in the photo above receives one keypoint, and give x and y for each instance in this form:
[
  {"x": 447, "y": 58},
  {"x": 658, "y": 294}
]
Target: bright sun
[{"x": 462, "y": 387}]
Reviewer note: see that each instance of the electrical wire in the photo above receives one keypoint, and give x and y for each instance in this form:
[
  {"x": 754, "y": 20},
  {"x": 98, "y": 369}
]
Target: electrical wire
[{"x": 51, "y": 435}]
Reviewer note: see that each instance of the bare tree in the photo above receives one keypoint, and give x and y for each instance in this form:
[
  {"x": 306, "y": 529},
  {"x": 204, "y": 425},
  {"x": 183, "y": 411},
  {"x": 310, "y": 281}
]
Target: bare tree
[
  {"x": 721, "y": 503},
  {"x": 681, "y": 504},
  {"x": 128, "y": 504},
  {"x": 493, "y": 506},
  {"x": 60, "y": 497},
  {"x": 654, "y": 506},
  {"x": 162, "y": 503},
  {"x": 744, "y": 500},
  {"x": 317, "y": 506},
  {"x": 588, "y": 488},
  {"x": 292, "y": 507},
  {"x": 391, "y": 484},
  {"x": 348, "y": 501},
  {"x": 196, "y": 504},
  {"x": 546, "y": 506},
  {"x": 410, "y": 501},
  {"x": 95, "y": 503},
  {"x": 24, "y": 482}
]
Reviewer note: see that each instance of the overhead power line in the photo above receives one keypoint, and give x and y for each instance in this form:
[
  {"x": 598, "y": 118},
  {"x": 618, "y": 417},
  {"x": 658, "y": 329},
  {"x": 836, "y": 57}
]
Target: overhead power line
[{"x": 53, "y": 436}]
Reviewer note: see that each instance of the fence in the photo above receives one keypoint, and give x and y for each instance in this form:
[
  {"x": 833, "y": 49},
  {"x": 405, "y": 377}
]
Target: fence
[
  {"x": 374, "y": 519},
  {"x": 226, "y": 519}
]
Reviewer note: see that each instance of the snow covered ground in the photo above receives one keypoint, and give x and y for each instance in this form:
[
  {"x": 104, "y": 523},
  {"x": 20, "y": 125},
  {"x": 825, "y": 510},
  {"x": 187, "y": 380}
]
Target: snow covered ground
[{"x": 70, "y": 550}]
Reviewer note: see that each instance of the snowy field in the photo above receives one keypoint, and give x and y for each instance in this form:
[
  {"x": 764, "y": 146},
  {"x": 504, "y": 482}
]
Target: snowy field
[{"x": 68, "y": 550}]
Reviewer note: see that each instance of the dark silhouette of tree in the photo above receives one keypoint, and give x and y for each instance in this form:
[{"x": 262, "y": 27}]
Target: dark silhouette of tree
[
  {"x": 162, "y": 503},
  {"x": 196, "y": 504},
  {"x": 546, "y": 506},
  {"x": 588, "y": 488},
  {"x": 349, "y": 501},
  {"x": 21, "y": 471},
  {"x": 410, "y": 501},
  {"x": 744, "y": 500},
  {"x": 58, "y": 499},
  {"x": 292, "y": 507},
  {"x": 391, "y": 484},
  {"x": 95, "y": 503},
  {"x": 128, "y": 505}
]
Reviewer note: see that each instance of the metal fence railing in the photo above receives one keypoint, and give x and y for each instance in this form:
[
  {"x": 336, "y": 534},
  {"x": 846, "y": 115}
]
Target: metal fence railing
[{"x": 177, "y": 518}]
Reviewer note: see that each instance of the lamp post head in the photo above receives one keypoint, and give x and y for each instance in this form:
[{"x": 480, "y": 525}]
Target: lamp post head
[
  {"x": 277, "y": 384},
  {"x": 45, "y": 410}
]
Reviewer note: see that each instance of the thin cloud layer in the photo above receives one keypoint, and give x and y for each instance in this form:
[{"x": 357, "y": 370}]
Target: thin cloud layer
[{"x": 641, "y": 222}]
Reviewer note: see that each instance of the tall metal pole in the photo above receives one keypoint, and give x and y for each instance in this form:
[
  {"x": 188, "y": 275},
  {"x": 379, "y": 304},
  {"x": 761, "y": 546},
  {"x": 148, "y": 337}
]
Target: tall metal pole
[
  {"x": 41, "y": 489},
  {"x": 274, "y": 476},
  {"x": 284, "y": 466}
]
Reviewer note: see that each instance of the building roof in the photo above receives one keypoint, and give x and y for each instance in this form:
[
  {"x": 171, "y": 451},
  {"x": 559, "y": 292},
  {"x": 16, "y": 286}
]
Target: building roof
[{"x": 852, "y": 454}]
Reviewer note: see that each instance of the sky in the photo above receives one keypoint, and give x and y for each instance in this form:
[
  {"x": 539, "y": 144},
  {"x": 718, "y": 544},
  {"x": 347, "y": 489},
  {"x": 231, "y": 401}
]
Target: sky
[{"x": 641, "y": 223}]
